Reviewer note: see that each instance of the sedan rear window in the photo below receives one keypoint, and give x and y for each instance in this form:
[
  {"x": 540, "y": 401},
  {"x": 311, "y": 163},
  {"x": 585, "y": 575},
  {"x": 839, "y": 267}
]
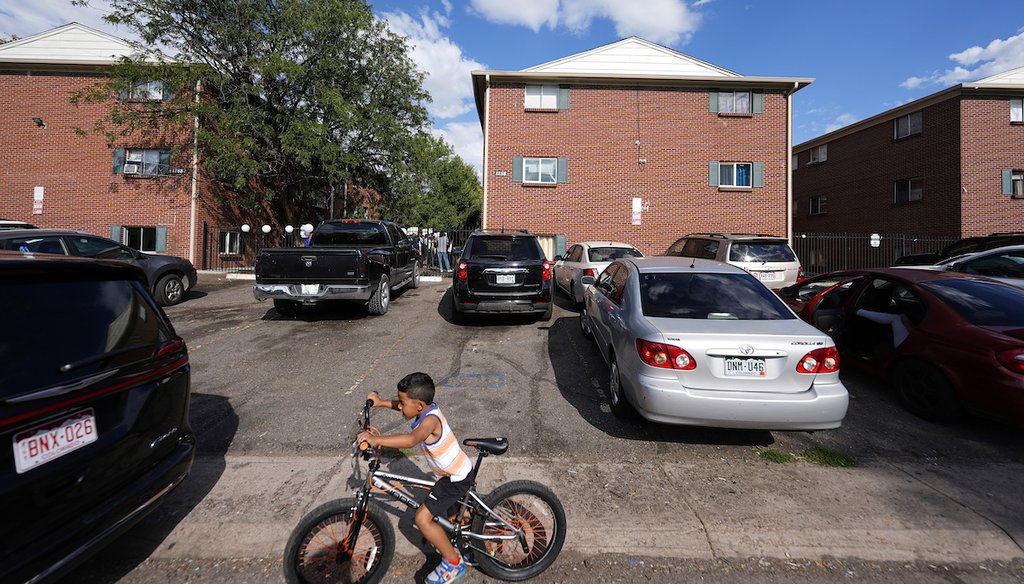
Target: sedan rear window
[
  {"x": 709, "y": 296},
  {"x": 350, "y": 234},
  {"x": 761, "y": 251},
  {"x": 981, "y": 303},
  {"x": 610, "y": 254},
  {"x": 504, "y": 248}
]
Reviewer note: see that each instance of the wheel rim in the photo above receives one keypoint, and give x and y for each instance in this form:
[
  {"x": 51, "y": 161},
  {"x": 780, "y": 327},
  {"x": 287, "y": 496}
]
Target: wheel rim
[
  {"x": 919, "y": 389},
  {"x": 583, "y": 324},
  {"x": 535, "y": 518},
  {"x": 613, "y": 385},
  {"x": 325, "y": 555},
  {"x": 385, "y": 294},
  {"x": 172, "y": 290},
  {"x": 416, "y": 274}
]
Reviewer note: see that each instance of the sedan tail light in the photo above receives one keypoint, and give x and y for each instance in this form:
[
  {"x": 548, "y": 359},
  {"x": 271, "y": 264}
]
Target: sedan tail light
[
  {"x": 592, "y": 272},
  {"x": 1012, "y": 359},
  {"x": 824, "y": 360},
  {"x": 546, "y": 274},
  {"x": 664, "y": 355},
  {"x": 462, "y": 271},
  {"x": 800, "y": 274}
]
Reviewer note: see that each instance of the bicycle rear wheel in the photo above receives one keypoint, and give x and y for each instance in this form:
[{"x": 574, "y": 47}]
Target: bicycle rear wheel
[
  {"x": 318, "y": 549},
  {"x": 536, "y": 511}
]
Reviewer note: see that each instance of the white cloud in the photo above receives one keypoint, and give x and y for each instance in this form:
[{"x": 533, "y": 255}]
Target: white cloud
[
  {"x": 662, "y": 21},
  {"x": 447, "y": 70},
  {"x": 840, "y": 121},
  {"x": 976, "y": 63},
  {"x": 532, "y": 14},
  {"x": 468, "y": 141}
]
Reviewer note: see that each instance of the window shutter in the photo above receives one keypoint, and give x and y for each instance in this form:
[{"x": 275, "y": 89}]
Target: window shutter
[
  {"x": 757, "y": 181},
  {"x": 713, "y": 173},
  {"x": 165, "y": 162},
  {"x": 713, "y": 101},
  {"x": 563, "y": 97},
  {"x": 1008, "y": 182},
  {"x": 118, "y": 160},
  {"x": 168, "y": 95},
  {"x": 115, "y": 233},
  {"x": 517, "y": 169},
  {"x": 161, "y": 239},
  {"x": 758, "y": 106},
  {"x": 562, "y": 172}
]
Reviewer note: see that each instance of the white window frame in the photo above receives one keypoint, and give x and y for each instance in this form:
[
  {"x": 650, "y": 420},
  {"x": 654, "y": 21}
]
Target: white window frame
[
  {"x": 126, "y": 237},
  {"x": 1017, "y": 180},
  {"x": 147, "y": 89},
  {"x": 911, "y": 193},
  {"x": 1017, "y": 109},
  {"x": 144, "y": 161},
  {"x": 733, "y": 166},
  {"x": 544, "y": 97},
  {"x": 816, "y": 205},
  {"x": 539, "y": 177},
  {"x": 818, "y": 154},
  {"x": 912, "y": 125},
  {"x": 230, "y": 242},
  {"x": 729, "y": 102}
]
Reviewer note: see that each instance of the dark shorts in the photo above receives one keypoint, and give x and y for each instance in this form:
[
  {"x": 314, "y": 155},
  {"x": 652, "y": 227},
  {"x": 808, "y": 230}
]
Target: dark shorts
[{"x": 447, "y": 494}]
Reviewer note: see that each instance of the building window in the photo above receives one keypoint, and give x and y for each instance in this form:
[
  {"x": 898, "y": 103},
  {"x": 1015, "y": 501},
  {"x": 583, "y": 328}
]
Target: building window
[
  {"x": 149, "y": 161},
  {"x": 817, "y": 205},
  {"x": 818, "y": 154},
  {"x": 796, "y": 159},
  {"x": 152, "y": 89},
  {"x": 140, "y": 238},
  {"x": 1017, "y": 182},
  {"x": 541, "y": 97},
  {"x": 908, "y": 190},
  {"x": 1017, "y": 110},
  {"x": 734, "y": 102},
  {"x": 540, "y": 170},
  {"x": 734, "y": 174},
  {"x": 907, "y": 125},
  {"x": 229, "y": 242}
]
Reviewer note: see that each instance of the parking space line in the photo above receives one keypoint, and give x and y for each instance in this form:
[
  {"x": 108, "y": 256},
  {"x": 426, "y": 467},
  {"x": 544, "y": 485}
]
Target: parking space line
[{"x": 376, "y": 362}]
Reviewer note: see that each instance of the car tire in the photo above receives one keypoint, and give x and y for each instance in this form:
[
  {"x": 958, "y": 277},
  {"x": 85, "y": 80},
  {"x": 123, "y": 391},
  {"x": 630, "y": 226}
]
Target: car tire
[
  {"x": 617, "y": 399},
  {"x": 415, "y": 281},
  {"x": 381, "y": 297},
  {"x": 287, "y": 307},
  {"x": 925, "y": 391},
  {"x": 572, "y": 296},
  {"x": 457, "y": 316},
  {"x": 170, "y": 290},
  {"x": 585, "y": 324}
]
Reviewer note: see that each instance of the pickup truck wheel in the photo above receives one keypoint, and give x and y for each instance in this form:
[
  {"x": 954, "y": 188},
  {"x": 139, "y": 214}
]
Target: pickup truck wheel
[
  {"x": 415, "y": 282},
  {"x": 287, "y": 307},
  {"x": 547, "y": 313},
  {"x": 169, "y": 290},
  {"x": 381, "y": 297}
]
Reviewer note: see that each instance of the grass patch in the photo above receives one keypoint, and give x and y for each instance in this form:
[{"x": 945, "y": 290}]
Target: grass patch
[
  {"x": 775, "y": 456},
  {"x": 826, "y": 457}
]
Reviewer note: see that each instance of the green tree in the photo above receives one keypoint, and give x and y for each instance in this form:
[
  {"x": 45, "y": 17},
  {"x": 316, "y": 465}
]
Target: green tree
[
  {"x": 440, "y": 189},
  {"x": 293, "y": 97}
]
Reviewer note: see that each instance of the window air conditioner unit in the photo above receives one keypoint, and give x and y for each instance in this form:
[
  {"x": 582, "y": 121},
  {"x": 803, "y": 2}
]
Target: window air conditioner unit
[{"x": 132, "y": 168}]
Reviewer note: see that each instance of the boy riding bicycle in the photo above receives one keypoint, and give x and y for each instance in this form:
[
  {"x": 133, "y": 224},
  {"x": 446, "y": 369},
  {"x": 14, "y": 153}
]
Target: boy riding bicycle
[{"x": 445, "y": 457}]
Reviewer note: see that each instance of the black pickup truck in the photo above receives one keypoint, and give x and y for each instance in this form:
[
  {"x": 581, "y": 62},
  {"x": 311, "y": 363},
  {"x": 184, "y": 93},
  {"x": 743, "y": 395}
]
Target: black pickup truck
[{"x": 347, "y": 259}]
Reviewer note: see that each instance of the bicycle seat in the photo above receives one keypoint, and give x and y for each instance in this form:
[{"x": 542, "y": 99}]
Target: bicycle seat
[{"x": 488, "y": 445}]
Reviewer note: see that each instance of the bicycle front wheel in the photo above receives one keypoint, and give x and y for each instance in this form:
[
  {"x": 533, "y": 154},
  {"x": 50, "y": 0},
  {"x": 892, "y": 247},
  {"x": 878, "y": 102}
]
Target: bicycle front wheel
[
  {"x": 319, "y": 550},
  {"x": 537, "y": 513}
]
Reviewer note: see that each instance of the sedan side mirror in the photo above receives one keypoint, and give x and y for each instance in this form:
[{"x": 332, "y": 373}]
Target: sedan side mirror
[
  {"x": 558, "y": 258},
  {"x": 588, "y": 280},
  {"x": 788, "y": 291}
]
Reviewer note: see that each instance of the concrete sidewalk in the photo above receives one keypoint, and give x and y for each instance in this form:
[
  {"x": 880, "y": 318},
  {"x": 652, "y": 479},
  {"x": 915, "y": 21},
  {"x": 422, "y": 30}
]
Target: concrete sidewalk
[{"x": 246, "y": 506}]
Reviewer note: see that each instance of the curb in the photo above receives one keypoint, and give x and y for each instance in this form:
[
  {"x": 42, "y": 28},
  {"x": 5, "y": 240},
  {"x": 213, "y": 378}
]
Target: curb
[{"x": 232, "y": 276}]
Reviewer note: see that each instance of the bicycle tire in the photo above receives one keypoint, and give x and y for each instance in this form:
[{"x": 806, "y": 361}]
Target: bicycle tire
[
  {"x": 314, "y": 546},
  {"x": 536, "y": 510}
]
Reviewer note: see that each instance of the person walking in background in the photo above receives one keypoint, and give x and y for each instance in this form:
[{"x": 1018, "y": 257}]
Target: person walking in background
[{"x": 443, "y": 247}]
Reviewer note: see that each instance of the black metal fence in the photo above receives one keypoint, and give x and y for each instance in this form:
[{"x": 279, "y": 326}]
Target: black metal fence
[
  {"x": 229, "y": 249},
  {"x": 827, "y": 252}
]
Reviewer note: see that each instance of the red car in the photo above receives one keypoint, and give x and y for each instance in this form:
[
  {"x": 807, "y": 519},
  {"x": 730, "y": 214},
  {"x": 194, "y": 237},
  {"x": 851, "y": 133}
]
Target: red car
[{"x": 947, "y": 341}]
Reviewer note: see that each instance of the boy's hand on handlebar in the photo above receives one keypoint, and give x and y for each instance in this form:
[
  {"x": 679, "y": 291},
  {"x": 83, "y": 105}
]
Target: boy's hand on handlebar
[
  {"x": 365, "y": 438},
  {"x": 375, "y": 398}
]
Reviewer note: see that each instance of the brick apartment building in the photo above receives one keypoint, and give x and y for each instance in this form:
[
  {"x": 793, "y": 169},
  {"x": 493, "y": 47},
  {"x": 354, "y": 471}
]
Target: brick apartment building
[
  {"x": 947, "y": 165},
  {"x": 135, "y": 192},
  {"x": 635, "y": 142}
]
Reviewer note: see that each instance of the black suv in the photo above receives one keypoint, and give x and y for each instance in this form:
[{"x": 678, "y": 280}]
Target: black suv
[
  {"x": 502, "y": 272},
  {"x": 168, "y": 277},
  {"x": 963, "y": 246},
  {"x": 94, "y": 394}
]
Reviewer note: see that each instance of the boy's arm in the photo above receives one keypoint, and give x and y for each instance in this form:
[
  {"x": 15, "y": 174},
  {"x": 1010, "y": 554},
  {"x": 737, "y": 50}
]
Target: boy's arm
[
  {"x": 379, "y": 402},
  {"x": 421, "y": 433}
]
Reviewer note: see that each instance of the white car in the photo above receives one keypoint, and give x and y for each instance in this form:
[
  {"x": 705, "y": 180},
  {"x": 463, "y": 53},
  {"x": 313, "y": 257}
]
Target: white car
[
  {"x": 588, "y": 258},
  {"x": 1005, "y": 264}
]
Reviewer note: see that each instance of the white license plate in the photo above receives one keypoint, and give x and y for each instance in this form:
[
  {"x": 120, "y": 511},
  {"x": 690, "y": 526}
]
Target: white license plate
[
  {"x": 51, "y": 441},
  {"x": 767, "y": 276},
  {"x": 505, "y": 279},
  {"x": 753, "y": 367},
  {"x": 310, "y": 289}
]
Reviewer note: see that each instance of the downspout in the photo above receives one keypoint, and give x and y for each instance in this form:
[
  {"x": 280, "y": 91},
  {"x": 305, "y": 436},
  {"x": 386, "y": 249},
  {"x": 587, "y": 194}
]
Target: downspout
[
  {"x": 487, "y": 119},
  {"x": 195, "y": 178},
  {"x": 789, "y": 161}
]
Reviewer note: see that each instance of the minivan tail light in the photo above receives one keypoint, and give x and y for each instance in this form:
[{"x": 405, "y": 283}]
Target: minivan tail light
[
  {"x": 1012, "y": 359},
  {"x": 592, "y": 272},
  {"x": 462, "y": 271},
  {"x": 546, "y": 274},
  {"x": 170, "y": 347},
  {"x": 824, "y": 360},
  {"x": 664, "y": 356}
]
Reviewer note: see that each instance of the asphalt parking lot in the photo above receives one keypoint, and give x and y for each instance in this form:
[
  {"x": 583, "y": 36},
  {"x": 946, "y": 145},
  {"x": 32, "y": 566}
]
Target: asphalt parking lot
[{"x": 274, "y": 400}]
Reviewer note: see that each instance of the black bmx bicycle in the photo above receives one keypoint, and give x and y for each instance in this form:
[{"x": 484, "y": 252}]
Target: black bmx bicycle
[{"x": 513, "y": 533}]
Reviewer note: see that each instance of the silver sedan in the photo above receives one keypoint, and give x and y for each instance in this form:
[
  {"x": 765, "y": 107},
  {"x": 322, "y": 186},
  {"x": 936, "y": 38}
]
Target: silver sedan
[
  {"x": 587, "y": 258},
  {"x": 700, "y": 342}
]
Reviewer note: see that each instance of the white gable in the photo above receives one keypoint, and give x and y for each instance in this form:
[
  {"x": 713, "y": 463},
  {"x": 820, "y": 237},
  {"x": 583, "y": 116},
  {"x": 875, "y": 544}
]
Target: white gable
[
  {"x": 633, "y": 56},
  {"x": 69, "y": 44},
  {"x": 1011, "y": 77}
]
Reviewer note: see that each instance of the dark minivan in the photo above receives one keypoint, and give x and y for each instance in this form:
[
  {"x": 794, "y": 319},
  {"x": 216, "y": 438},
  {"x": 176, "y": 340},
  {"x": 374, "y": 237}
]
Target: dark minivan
[
  {"x": 502, "y": 272},
  {"x": 94, "y": 396}
]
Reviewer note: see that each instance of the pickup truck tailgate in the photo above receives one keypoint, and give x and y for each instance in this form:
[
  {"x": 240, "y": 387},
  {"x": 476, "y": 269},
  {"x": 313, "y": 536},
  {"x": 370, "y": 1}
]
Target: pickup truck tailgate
[{"x": 299, "y": 265}]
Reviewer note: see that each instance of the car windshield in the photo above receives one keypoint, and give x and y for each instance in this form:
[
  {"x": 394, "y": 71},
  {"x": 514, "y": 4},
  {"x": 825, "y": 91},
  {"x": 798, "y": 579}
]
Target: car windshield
[
  {"x": 610, "y": 254},
  {"x": 761, "y": 251},
  {"x": 504, "y": 248},
  {"x": 349, "y": 234},
  {"x": 981, "y": 303},
  {"x": 709, "y": 296}
]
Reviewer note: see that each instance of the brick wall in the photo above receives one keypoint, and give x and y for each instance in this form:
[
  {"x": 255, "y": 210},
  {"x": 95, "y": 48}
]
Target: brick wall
[
  {"x": 598, "y": 135},
  {"x": 990, "y": 144}
]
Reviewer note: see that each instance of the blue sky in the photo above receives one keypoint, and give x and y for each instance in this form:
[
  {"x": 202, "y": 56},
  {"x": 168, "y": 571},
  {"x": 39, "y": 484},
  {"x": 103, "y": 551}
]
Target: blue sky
[{"x": 865, "y": 56}]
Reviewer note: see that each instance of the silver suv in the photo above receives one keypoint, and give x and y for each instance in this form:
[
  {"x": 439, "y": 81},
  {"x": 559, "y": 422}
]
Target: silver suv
[{"x": 770, "y": 259}]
